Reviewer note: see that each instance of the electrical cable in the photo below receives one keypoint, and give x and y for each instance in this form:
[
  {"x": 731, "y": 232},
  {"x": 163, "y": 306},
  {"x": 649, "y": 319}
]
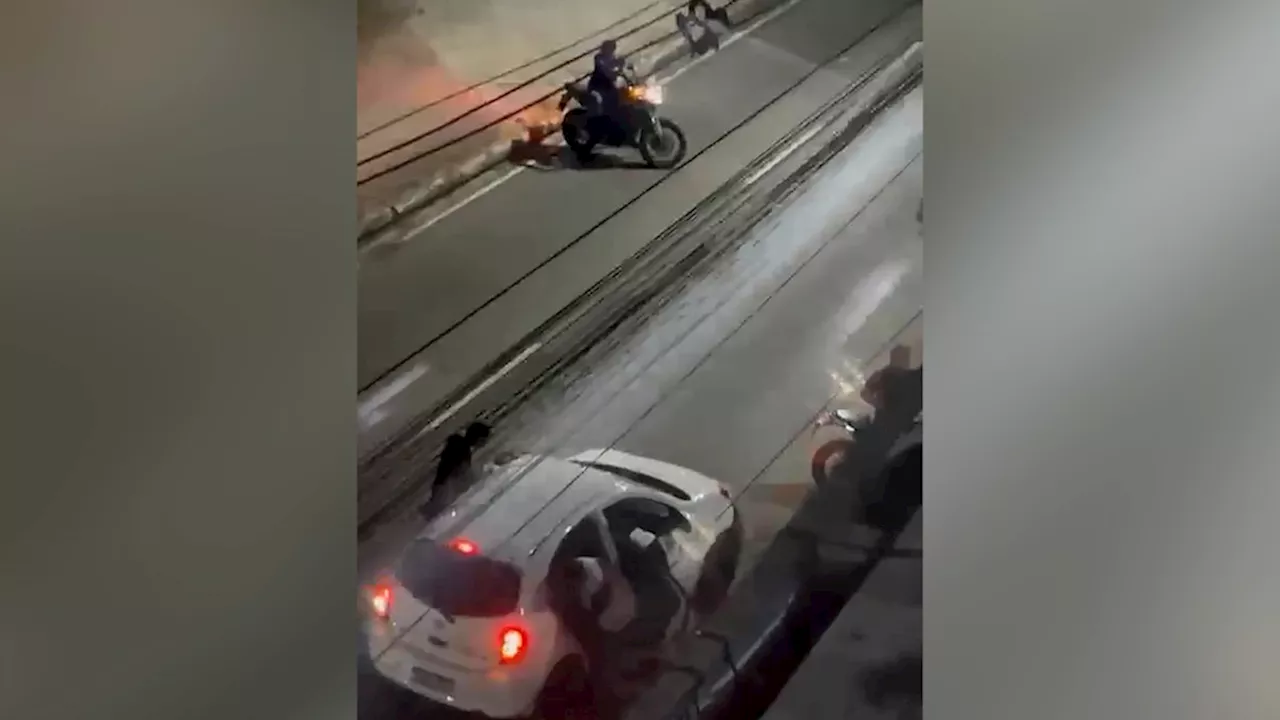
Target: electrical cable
[
  {"x": 510, "y": 71},
  {"x": 504, "y": 118},
  {"x": 818, "y": 67},
  {"x": 507, "y": 93}
]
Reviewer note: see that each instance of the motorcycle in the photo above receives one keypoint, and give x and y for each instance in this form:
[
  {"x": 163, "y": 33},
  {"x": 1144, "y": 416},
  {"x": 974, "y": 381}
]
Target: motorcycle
[
  {"x": 636, "y": 123},
  {"x": 848, "y": 424}
]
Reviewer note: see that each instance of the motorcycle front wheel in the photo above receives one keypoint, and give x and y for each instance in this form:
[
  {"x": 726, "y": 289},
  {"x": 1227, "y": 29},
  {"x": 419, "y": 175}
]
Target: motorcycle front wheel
[{"x": 663, "y": 144}]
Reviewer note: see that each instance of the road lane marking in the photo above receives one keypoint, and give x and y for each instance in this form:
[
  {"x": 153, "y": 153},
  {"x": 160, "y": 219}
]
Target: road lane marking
[
  {"x": 475, "y": 392},
  {"x": 470, "y": 198},
  {"x": 370, "y": 411},
  {"x": 373, "y": 411},
  {"x": 786, "y": 153}
]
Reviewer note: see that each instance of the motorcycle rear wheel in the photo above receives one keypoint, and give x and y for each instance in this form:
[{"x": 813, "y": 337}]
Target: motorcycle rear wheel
[
  {"x": 822, "y": 456},
  {"x": 577, "y": 136}
]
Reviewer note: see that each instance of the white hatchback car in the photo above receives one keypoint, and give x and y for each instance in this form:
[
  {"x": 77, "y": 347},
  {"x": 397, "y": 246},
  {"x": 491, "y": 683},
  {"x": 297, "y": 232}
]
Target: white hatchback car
[{"x": 464, "y": 619}]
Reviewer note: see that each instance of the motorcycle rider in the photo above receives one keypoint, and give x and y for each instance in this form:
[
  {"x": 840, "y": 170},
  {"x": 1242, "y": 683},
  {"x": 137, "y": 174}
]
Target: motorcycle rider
[
  {"x": 873, "y": 391},
  {"x": 603, "y": 85}
]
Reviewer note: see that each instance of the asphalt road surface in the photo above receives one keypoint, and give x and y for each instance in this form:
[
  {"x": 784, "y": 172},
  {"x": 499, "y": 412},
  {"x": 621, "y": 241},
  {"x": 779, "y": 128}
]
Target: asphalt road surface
[
  {"x": 726, "y": 376},
  {"x": 452, "y": 296}
]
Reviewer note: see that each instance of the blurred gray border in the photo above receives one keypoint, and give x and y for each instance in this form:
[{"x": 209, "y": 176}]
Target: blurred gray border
[
  {"x": 1101, "y": 472},
  {"x": 177, "y": 526},
  {"x": 179, "y": 351}
]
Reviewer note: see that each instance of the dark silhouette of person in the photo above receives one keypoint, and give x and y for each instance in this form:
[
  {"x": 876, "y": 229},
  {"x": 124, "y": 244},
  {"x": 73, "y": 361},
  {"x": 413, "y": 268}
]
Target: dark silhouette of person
[
  {"x": 607, "y": 66},
  {"x": 455, "y": 459},
  {"x": 700, "y": 14},
  {"x": 873, "y": 391},
  {"x": 703, "y": 13},
  {"x": 888, "y": 487}
]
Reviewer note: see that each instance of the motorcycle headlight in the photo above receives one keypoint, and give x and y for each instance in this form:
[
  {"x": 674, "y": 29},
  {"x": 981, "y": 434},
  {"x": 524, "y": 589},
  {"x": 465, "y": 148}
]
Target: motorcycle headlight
[{"x": 652, "y": 94}]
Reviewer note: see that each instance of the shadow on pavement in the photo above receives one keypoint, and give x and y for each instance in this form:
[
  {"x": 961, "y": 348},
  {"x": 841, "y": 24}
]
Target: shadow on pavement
[
  {"x": 546, "y": 156},
  {"x": 897, "y": 684},
  {"x": 610, "y": 162}
]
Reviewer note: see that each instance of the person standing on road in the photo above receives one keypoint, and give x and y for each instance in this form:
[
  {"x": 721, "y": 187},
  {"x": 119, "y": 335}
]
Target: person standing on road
[{"x": 455, "y": 462}]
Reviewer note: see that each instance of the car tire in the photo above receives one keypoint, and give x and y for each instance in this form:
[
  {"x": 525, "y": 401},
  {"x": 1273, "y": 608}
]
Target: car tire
[
  {"x": 567, "y": 693},
  {"x": 720, "y": 569}
]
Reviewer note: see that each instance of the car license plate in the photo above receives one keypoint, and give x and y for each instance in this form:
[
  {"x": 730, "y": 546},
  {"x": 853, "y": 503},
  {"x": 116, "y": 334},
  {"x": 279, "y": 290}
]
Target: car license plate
[{"x": 432, "y": 681}]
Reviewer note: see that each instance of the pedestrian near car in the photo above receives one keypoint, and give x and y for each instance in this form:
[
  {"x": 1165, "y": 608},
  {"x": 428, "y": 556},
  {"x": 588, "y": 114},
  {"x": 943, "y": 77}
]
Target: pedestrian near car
[{"x": 454, "y": 465}]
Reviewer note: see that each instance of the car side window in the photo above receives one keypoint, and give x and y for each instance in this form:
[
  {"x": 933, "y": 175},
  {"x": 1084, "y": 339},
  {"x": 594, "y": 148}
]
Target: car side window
[
  {"x": 640, "y": 522},
  {"x": 586, "y": 539},
  {"x": 650, "y": 516}
]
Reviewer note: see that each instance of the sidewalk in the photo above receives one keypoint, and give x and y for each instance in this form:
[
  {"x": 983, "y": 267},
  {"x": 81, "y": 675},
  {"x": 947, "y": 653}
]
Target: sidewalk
[
  {"x": 868, "y": 664},
  {"x": 439, "y": 56}
]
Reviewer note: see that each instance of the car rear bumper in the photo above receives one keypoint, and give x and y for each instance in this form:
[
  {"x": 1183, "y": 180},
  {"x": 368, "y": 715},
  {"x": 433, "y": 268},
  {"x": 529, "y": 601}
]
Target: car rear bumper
[{"x": 497, "y": 693}]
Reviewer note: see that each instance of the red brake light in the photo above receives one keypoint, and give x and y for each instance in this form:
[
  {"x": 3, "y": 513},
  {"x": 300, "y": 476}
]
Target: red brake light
[
  {"x": 466, "y": 547},
  {"x": 380, "y": 599},
  {"x": 512, "y": 645}
]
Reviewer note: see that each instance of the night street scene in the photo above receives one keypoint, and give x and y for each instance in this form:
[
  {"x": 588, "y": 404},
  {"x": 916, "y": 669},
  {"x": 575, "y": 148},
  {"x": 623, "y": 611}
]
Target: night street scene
[{"x": 640, "y": 359}]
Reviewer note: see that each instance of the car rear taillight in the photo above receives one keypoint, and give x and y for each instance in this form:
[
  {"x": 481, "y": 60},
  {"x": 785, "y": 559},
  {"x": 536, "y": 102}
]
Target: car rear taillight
[
  {"x": 512, "y": 644},
  {"x": 466, "y": 547},
  {"x": 380, "y": 600}
]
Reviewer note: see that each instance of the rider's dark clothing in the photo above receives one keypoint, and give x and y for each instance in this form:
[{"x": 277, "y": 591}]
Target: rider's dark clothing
[{"x": 604, "y": 80}]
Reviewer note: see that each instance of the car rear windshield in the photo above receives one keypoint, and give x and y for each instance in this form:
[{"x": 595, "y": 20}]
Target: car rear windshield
[{"x": 459, "y": 584}]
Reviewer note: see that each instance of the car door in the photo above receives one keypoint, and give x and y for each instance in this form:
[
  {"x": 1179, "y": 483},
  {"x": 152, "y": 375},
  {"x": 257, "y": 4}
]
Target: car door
[
  {"x": 589, "y": 537},
  {"x": 647, "y": 520}
]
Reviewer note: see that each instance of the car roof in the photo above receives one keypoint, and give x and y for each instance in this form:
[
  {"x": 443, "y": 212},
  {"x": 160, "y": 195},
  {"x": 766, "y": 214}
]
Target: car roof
[{"x": 513, "y": 509}]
